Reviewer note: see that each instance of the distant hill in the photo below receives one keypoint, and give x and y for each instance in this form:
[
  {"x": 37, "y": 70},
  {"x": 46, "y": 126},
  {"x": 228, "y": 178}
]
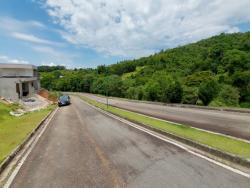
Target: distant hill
[{"x": 214, "y": 71}]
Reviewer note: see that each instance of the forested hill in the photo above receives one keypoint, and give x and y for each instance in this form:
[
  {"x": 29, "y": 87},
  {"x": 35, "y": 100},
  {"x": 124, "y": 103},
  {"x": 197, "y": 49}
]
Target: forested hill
[{"x": 214, "y": 71}]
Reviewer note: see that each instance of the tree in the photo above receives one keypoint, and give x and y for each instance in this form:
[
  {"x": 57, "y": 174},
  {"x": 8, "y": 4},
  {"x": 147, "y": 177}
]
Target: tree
[
  {"x": 98, "y": 86},
  {"x": 109, "y": 85},
  {"x": 235, "y": 60},
  {"x": 188, "y": 74},
  {"x": 170, "y": 88},
  {"x": 86, "y": 82},
  {"x": 190, "y": 95},
  {"x": 171, "y": 91},
  {"x": 208, "y": 90},
  {"x": 242, "y": 81},
  {"x": 45, "y": 68},
  {"x": 114, "y": 86},
  {"x": 228, "y": 96},
  {"x": 197, "y": 78},
  {"x": 151, "y": 90},
  {"x": 48, "y": 81},
  {"x": 102, "y": 69},
  {"x": 131, "y": 93}
]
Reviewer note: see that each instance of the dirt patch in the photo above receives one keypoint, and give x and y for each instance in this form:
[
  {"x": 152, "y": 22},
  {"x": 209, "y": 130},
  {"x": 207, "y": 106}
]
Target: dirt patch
[{"x": 48, "y": 95}]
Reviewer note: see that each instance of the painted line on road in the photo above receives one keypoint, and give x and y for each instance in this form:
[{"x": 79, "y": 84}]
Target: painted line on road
[
  {"x": 20, "y": 164},
  {"x": 167, "y": 121},
  {"x": 163, "y": 138},
  {"x": 171, "y": 122}
]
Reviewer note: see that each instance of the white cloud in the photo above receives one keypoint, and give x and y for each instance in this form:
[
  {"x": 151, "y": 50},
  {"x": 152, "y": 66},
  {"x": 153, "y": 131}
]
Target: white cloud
[
  {"x": 11, "y": 24},
  {"x": 49, "y": 64},
  {"x": 55, "y": 55},
  {"x": 55, "y": 64},
  {"x": 33, "y": 39},
  {"x": 22, "y": 30},
  {"x": 6, "y": 59},
  {"x": 136, "y": 28},
  {"x": 49, "y": 50}
]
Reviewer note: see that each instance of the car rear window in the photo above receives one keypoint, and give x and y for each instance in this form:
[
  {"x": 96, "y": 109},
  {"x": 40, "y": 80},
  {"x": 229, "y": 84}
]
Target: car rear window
[{"x": 64, "y": 98}]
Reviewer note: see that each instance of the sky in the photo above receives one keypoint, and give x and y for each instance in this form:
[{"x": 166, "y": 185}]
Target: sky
[{"x": 88, "y": 33}]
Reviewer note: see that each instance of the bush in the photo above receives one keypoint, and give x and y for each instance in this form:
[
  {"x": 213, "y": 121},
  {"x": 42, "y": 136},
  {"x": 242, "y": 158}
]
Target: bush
[
  {"x": 228, "y": 96},
  {"x": 151, "y": 91},
  {"x": 109, "y": 85},
  {"x": 173, "y": 92},
  {"x": 135, "y": 93},
  {"x": 131, "y": 93},
  {"x": 208, "y": 90},
  {"x": 170, "y": 88},
  {"x": 245, "y": 105},
  {"x": 190, "y": 95}
]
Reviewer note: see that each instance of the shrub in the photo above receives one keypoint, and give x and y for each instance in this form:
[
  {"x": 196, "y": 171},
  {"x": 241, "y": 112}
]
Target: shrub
[
  {"x": 208, "y": 90},
  {"x": 190, "y": 95},
  {"x": 151, "y": 91},
  {"x": 228, "y": 96}
]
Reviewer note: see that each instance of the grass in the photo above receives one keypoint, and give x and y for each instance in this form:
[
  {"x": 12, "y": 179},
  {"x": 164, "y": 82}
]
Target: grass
[
  {"x": 13, "y": 130},
  {"x": 53, "y": 95},
  {"x": 129, "y": 74},
  {"x": 223, "y": 143}
]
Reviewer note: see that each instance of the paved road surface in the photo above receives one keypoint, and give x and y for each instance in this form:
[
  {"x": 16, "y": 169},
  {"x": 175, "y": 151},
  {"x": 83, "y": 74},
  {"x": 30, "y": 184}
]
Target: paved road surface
[
  {"x": 81, "y": 147},
  {"x": 231, "y": 123}
]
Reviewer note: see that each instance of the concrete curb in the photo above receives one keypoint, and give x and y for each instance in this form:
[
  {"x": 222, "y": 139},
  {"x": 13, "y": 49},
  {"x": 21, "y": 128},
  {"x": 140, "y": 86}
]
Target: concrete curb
[
  {"x": 215, "y": 152},
  {"x": 218, "y": 153},
  {"x": 240, "y": 110},
  {"x": 10, "y": 157}
]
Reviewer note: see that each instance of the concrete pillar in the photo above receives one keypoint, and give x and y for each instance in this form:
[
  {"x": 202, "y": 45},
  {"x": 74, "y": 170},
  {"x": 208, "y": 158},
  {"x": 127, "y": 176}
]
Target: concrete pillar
[
  {"x": 31, "y": 89},
  {"x": 21, "y": 90}
]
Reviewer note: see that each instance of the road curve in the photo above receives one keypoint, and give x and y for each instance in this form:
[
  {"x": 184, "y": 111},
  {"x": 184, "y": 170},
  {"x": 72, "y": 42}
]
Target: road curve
[
  {"x": 82, "y": 147},
  {"x": 230, "y": 123}
]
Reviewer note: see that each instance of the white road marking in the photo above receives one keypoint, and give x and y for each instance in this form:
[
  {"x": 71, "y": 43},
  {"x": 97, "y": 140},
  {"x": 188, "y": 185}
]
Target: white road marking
[
  {"x": 204, "y": 130},
  {"x": 19, "y": 165},
  {"x": 163, "y": 138},
  {"x": 167, "y": 121}
]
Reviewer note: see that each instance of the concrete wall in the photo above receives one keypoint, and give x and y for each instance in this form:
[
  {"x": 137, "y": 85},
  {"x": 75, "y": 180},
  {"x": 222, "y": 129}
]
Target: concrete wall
[
  {"x": 31, "y": 87},
  {"x": 16, "y": 72},
  {"x": 8, "y": 88}
]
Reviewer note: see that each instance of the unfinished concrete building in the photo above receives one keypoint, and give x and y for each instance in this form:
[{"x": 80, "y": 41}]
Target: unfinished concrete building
[{"x": 18, "y": 81}]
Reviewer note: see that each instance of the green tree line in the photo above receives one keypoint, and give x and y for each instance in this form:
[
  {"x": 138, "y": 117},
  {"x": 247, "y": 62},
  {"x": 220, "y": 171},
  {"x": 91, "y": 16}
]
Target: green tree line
[{"x": 214, "y": 71}]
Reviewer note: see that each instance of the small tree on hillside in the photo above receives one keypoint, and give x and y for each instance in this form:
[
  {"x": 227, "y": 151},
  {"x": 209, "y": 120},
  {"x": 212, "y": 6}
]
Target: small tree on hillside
[{"x": 208, "y": 91}]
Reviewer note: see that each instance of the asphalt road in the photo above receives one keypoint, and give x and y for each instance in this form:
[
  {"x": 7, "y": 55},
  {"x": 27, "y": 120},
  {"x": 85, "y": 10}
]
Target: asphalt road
[
  {"x": 230, "y": 123},
  {"x": 82, "y": 147}
]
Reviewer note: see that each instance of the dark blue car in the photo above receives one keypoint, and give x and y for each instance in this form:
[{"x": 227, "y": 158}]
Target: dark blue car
[{"x": 64, "y": 100}]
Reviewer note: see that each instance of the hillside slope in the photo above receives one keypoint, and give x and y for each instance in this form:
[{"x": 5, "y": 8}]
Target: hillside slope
[{"x": 214, "y": 71}]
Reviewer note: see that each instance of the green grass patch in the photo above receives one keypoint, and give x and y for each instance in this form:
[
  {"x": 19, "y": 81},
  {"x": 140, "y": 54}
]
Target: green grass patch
[
  {"x": 223, "y": 143},
  {"x": 129, "y": 74},
  {"x": 13, "y": 130},
  {"x": 54, "y": 95}
]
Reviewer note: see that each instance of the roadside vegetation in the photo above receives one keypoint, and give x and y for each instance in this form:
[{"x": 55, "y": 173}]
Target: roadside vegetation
[
  {"x": 50, "y": 95},
  {"x": 220, "y": 142},
  {"x": 214, "y": 72},
  {"x": 13, "y": 130}
]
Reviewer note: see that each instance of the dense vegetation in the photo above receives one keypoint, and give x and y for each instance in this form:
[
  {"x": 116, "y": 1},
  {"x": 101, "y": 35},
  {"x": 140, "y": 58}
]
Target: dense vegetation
[{"x": 215, "y": 72}]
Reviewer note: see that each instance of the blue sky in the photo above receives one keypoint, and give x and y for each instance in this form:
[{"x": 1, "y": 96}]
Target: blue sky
[
  {"x": 81, "y": 33},
  {"x": 69, "y": 54}
]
